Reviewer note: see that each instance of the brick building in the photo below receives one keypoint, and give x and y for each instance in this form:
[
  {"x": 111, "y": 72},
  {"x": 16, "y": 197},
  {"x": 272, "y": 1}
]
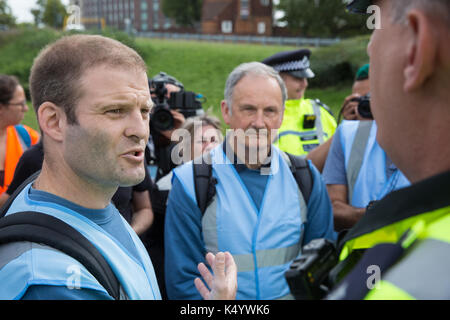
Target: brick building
[
  {"x": 142, "y": 15},
  {"x": 240, "y": 17}
]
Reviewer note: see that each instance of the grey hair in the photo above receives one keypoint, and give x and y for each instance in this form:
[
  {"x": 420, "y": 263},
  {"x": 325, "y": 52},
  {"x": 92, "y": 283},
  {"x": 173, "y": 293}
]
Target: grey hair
[
  {"x": 401, "y": 7},
  {"x": 254, "y": 68}
]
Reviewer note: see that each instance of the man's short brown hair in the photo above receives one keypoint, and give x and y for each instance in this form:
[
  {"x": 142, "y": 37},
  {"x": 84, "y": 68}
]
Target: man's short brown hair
[{"x": 57, "y": 70}]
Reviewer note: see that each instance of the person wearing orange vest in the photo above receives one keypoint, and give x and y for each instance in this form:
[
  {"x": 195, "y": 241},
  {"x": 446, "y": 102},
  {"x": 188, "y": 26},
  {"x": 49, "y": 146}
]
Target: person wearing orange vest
[{"x": 14, "y": 138}]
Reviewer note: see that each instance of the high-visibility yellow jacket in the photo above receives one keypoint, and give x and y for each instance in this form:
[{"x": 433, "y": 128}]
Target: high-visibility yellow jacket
[{"x": 306, "y": 124}]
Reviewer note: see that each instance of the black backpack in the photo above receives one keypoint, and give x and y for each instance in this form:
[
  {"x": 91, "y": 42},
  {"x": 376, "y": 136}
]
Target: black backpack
[
  {"x": 47, "y": 230},
  {"x": 205, "y": 189}
]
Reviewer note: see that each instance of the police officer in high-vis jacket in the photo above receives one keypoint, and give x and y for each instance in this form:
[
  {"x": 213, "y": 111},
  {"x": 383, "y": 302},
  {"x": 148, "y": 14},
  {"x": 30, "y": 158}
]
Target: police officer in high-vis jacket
[
  {"x": 404, "y": 239},
  {"x": 307, "y": 123}
]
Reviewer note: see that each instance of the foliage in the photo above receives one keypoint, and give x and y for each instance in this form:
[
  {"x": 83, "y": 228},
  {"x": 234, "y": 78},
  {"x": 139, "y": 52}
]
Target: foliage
[
  {"x": 185, "y": 13},
  {"x": 339, "y": 63},
  {"x": 6, "y": 16},
  {"x": 19, "y": 47},
  {"x": 320, "y": 18},
  {"x": 201, "y": 66}
]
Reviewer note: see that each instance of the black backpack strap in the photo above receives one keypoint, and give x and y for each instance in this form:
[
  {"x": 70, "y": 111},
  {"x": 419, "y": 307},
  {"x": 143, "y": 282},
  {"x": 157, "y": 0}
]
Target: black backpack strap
[
  {"x": 204, "y": 182},
  {"x": 10, "y": 200},
  {"x": 45, "y": 229},
  {"x": 302, "y": 174}
]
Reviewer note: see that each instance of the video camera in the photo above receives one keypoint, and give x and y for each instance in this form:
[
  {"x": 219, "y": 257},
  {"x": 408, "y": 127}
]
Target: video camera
[
  {"x": 187, "y": 103},
  {"x": 307, "y": 276},
  {"x": 364, "y": 106}
]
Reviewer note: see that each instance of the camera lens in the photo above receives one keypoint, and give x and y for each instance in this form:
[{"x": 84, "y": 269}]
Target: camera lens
[
  {"x": 364, "y": 107},
  {"x": 162, "y": 119}
]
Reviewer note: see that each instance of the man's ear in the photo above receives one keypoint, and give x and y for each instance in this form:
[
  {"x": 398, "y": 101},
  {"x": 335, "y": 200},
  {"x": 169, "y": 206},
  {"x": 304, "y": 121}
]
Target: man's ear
[
  {"x": 52, "y": 120},
  {"x": 421, "y": 50},
  {"x": 225, "y": 111}
]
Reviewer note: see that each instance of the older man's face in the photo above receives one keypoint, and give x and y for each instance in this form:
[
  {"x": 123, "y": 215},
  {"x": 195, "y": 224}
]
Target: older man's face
[{"x": 257, "y": 108}]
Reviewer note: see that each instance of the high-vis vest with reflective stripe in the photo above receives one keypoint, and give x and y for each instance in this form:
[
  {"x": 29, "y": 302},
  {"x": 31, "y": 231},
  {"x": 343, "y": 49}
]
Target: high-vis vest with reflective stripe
[
  {"x": 293, "y": 137},
  {"x": 390, "y": 233},
  {"x": 365, "y": 164},
  {"x": 15, "y": 146},
  {"x": 423, "y": 271},
  {"x": 24, "y": 264},
  {"x": 263, "y": 242}
]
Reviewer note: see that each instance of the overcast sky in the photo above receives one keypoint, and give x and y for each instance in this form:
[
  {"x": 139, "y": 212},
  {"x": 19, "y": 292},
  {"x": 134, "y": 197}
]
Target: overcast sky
[{"x": 21, "y": 9}]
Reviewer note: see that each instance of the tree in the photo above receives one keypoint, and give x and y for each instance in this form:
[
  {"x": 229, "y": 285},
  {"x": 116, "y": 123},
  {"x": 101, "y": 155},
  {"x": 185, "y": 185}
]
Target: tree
[
  {"x": 321, "y": 18},
  {"x": 54, "y": 14},
  {"x": 185, "y": 13},
  {"x": 6, "y": 16},
  {"x": 49, "y": 12},
  {"x": 38, "y": 12}
]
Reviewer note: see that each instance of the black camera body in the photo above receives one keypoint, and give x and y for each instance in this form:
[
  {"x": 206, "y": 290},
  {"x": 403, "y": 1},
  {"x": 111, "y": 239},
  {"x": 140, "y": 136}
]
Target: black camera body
[
  {"x": 308, "y": 276},
  {"x": 364, "y": 106},
  {"x": 186, "y": 102}
]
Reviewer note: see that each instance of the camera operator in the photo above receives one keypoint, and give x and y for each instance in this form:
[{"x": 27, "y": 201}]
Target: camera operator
[
  {"x": 353, "y": 108},
  {"x": 173, "y": 105},
  {"x": 357, "y": 170},
  {"x": 360, "y": 89}
]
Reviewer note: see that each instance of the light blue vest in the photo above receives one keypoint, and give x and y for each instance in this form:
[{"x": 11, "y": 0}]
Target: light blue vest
[
  {"x": 34, "y": 264},
  {"x": 365, "y": 164},
  {"x": 263, "y": 242}
]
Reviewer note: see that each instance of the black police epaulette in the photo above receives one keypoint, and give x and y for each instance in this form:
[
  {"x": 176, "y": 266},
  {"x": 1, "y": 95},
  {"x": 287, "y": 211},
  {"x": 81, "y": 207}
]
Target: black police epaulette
[{"x": 324, "y": 106}]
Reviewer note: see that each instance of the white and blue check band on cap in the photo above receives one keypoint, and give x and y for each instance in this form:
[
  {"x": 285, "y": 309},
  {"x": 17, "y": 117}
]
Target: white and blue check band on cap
[{"x": 293, "y": 65}]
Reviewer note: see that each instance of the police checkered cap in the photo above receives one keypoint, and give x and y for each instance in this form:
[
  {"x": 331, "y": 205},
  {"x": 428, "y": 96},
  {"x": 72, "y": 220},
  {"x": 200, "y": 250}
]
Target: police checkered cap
[{"x": 294, "y": 62}]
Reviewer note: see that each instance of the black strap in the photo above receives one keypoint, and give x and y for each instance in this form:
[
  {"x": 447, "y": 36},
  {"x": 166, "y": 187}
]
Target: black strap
[
  {"x": 45, "y": 229},
  {"x": 42, "y": 228},
  {"x": 302, "y": 174},
  {"x": 204, "y": 182},
  {"x": 10, "y": 200}
]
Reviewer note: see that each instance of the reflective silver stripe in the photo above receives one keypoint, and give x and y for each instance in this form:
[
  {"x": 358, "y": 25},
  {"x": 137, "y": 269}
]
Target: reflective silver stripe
[
  {"x": 297, "y": 133},
  {"x": 209, "y": 227},
  {"x": 267, "y": 258},
  {"x": 357, "y": 155},
  {"x": 424, "y": 272},
  {"x": 11, "y": 251},
  {"x": 264, "y": 258},
  {"x": 319, "y": 127}
]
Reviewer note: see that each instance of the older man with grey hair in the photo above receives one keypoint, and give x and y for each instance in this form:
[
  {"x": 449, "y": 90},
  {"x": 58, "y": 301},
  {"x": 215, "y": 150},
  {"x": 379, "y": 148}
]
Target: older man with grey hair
[{"x": 257, "y": 212}]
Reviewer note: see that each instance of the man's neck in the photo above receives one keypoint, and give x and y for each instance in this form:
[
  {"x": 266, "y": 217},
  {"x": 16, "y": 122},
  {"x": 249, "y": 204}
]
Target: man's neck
[
  {"x": 66, "y": 184},
  {"x": 240, "y": 154}
]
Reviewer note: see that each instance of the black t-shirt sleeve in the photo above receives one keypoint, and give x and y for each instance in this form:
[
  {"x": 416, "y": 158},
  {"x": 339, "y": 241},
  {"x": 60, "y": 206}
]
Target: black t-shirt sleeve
[{"x": 30, "y": 162}]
